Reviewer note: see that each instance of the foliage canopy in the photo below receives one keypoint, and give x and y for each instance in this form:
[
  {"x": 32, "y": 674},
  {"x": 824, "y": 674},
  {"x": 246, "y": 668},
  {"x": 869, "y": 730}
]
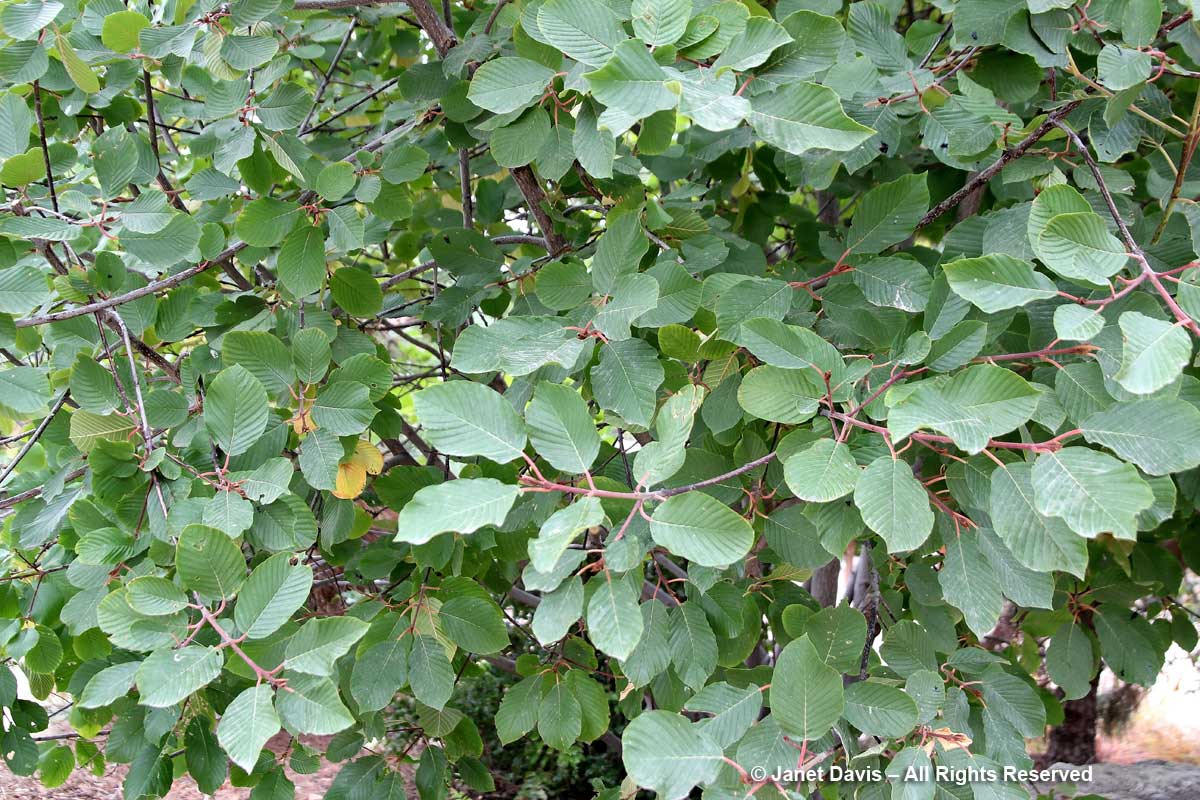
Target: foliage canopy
[{"x": 354, "y": 348}]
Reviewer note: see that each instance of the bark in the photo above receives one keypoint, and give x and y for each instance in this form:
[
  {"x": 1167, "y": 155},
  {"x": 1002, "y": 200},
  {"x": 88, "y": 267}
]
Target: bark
[
  {"x": 1074, "y": 741},
  {"x": 824, "y": 583}
]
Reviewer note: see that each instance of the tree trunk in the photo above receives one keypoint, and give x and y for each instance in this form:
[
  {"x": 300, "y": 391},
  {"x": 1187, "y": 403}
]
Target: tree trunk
[
  {"x": 1074, "y": 741},
  {"x": 824, "y": 583}
]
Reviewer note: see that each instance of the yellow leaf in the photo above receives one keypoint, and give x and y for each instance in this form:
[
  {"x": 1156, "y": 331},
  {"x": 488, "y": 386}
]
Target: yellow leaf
[
  {"x": 350, "y": 482},
  {"x": 367, "y": 456}
]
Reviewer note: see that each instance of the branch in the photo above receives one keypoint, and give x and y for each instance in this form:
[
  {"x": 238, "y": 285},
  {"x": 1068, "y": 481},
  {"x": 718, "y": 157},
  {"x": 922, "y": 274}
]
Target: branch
[
  {"x": 337, "y": 56},
  {"x": 323, "y": 5},
  {"x": 531, "y": 189},
  {"x": 29, "y": 494},
  {"x": 1131, "y": 244},
  {"x": 538, "y": 484},
  {"x": 1006, "y": 158},
  {"x": 37, "y": 433},
  {"x": 150, "y": 288},
  {"x": 432, "y": 23}
]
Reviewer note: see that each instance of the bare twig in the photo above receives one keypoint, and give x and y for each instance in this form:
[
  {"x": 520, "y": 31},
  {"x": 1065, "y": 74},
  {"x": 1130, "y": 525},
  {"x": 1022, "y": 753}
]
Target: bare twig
[
  {"x": 37, "y": 433},
  {"x": 337, "y": 56}
]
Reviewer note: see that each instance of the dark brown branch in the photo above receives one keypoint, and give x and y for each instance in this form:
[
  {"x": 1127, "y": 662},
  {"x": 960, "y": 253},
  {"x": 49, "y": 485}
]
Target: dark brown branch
[
  {"x": 1006, "y": 158},
  {"x": 337, "y": 56},
  {"x": 531, "y": 189},
  {"x": 29, "y": 494},
  {"x": 41, "y": 123}
]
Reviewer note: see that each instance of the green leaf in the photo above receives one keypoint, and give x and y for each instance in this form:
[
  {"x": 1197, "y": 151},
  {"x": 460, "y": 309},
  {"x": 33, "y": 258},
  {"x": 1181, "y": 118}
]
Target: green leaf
[
  {"x": 560, "y": 717},
  {"x": 1069, "y": 660},
  {"x": 1092, "y": 492},
  {"x": 659, "y": 22},
  {"x": 585, "y": 30},
  {"x": 733, "y": 711},
  {"x": 1154, "y": 353},
  {"x": 1160, "y": 436},
  {"x": 997, "y": 282},
  {"x": 1077, "y": 323},
  {"x": 614, "y": 621},
  {"x": 344, "y": 408},
  {"x": 206, "y": 763},
  {"x": 558, "y": 611},
  {"x": 878, "y": 709},
  {"x": 168, "y": 676},
  {"x": 1120, "y": 67},
  {"x": 822, "y": 472},
  {"x": 753, "y": 45},
  {"x": 560, "y": 530},
  {"x": 429, "y": 672},
  {"x": 22, "y": 288},
  {"x": 969, "y": 582},
  {"x": 561, "y": 428},
  {"x": 25, "y": 389},
  {"x": 275, "y": 589},
  {"x": 516, "y": 346},
  {"x": 77, "y": 69},
  {"x": 320, "y": 642},
  {"x": 669, "y": 755},
  {"x": 266, "y": 221},
  {"x": 894, "y": 282},
  {"x": 1078, "y": 246},
  {"x": 518, "y": 712},
  {"x": 155, "y": 596},
  {"x": 462, "y": 418},
  {"x": 781, "y": 395},
  {"x": 894, "y": 504},
  {"x": 88, "y": 429},
  {"x": 108, "y": 685},
  {"x": 474, "y": 624},
  {"x": 701, "y": 529},
  {"x": 120, "y": 31},
  {"x": 310, "y": 704},
  {"x": 839, "y": 635},
  {"x": 356, "y": 292},
  {"x": 302, "y": 261},
  {"x": 709, "y": 99},
  {"x": 1014, "y": 700},
  {"x": 209, "y": 563},
  {"x": 16, "y": 120},
  {"x": 632, "y": 82},
  {"x": 1130, "y": 646},
  {"x": 888, "y": 214},
  {"x": 627, "y": 378},
  {"x": 235, "y": 410},
  {"x": 976, "y": 405},
  {"x": 263, "y": 356},
  {"x": 336, "y": 180},
  {"x": 379, "y": 672},
  {"x": 1039, "y": 542},
  {"x": 26, "y": 20},
  {"x": 805, "y": 116},
  {"x": 506, "y": 84},
  {"x": 806, "y": 694},
  {"x": 462, "y": 506}
]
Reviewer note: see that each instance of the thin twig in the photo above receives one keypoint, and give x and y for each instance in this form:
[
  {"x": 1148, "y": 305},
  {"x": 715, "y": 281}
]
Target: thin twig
[
  {"x": 337, "y": 56},
  {"x": 1131, "y": 244},
  {"x": 37, "y": 433}
]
